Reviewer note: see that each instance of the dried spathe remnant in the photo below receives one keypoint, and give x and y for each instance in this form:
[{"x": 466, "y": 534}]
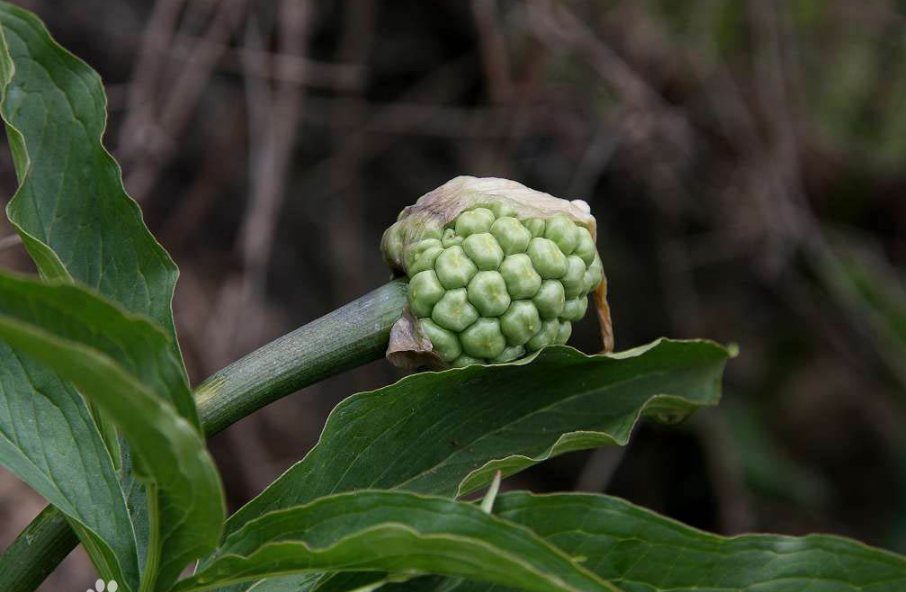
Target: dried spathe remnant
[{"x": 496, "y": 270}]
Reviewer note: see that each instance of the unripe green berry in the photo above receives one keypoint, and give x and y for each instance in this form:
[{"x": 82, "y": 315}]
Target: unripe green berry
[
  {"x": 450, "y": 239},
  {"x": 424, "y": 292},
  {"x": 444, "y": 342},
  {"x": 502, "y": 209},
  {"x": 474, "y": 222},
  {"x": 483, "y": 250},
  {"x": 566, "y": 329},
  {"x": 512, "y": 236},
  {"x": 423, "y": 256},
  {"x": 574, "y": 280},
  {"x": 483, "y": 339},
  {"x": 593, "y": 275},
  {"x": 547, "y": 258},
  {"x": 575, "y": 309},
  {"x": 488, "y": 293},
  {"x": 546, "y": 336},
  {"x": 535, "y": 226},
  {"x": 454, "y": 269},
  {"x": 509, "y": 354},
  {"x": 585, "y": 248},
  {"x": 464, "y": 360},
  {"x": 453, "y": 311},
  {"x": 522, "y": 281},
  {"x": 520, "y": 322},
  {"x": 563, "y": 232},
  {"x": 550, "y": 300},
  {"x": 416, "y": 249}
]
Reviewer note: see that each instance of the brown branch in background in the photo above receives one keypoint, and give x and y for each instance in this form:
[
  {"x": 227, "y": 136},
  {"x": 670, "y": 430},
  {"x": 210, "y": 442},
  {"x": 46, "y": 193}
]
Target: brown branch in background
[
  {"x": 8, "y": 242},
  {"x": 141, "y": 98},
  {"x": 299, "y": 70},
  {"x": 555, "y": 24},
  {"x": 168, "y": 117},
  {"x": 780, "y": 198},
  {"x": 490, "y": 156},
  {"x": 601, "y": 148},
  {"x": 273, "y": 117},
  {"x": 347, "y": 227},
  {"x": 275, "y": 135},
  {"x": 652, "y": 131},
  {"x": 444, "y": 83},
  {"x": 494, "y": 55},
  {"x": 236, "y": 322},
  {"x": 439, "y": 120},
  {"x": 212, "y": 182},
  {"x": 600, "y": 468}
]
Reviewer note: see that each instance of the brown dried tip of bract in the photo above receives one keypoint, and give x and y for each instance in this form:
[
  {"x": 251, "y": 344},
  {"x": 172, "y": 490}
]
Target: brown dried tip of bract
[{"x": 409, "y": 347}]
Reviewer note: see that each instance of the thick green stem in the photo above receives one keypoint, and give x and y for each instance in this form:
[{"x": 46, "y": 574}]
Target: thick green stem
[
  {"x": 37, "y": 551},
  {"x": 348, "y": 337}
]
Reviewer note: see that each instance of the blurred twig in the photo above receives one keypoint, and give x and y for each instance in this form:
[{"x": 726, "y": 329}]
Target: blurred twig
[
  {"x": 347, "y": 217},
  {"x": 298, "y": 70},
  {"x": 600, "y": 468},
  {"x": 726, "y": 473},
  {"x": 272, "y": 128},
  {"x": 8, "y": 242},
  {"x": 149, "y": 133},
  {"x": 495, "y": 57}
]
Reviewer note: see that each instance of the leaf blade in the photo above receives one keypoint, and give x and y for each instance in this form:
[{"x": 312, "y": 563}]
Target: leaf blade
[
  {"x": 676, "y": 557},
  {"x": 96, "y": 345},
  {"x": 48, "y": 439},
  {"x": 443, "y": 433},
  {"x": 70, "y": 208},
  {"x": 392, "y": 531}
]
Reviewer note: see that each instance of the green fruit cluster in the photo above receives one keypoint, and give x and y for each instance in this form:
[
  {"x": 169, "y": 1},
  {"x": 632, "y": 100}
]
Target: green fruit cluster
[{"x": 492, "y": 287}]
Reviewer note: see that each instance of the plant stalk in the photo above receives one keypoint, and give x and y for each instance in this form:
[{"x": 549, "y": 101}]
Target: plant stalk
[
  {"x": 152, "y": 561},
  {"x": 346, "y": 338},
  {"x": 37, "y": 551}
]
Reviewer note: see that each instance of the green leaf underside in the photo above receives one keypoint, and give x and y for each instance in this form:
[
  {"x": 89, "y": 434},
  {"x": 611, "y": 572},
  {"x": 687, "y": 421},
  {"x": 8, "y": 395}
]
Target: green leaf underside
[
  {"x": 641, "y": 551},
  {"x": 89, "y": 342},
  {"x": 447, "y": 433},
  {"x": 397, "y": 532}
]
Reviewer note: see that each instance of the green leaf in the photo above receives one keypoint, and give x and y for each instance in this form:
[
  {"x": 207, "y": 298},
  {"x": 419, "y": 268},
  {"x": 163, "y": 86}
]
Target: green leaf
[
  {"x": 48, "y": 439},
  {"x": 448, "y": 432},
  {"x": 73, "y": 213},
  {"x": 403, "y": 533},
  {"x": 117, "y": 361},
  {"x": 70, "y": 209},
  {"x": 640, "y": 551}
]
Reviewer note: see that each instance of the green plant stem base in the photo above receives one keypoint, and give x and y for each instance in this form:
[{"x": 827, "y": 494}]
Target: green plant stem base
[
  {"x": 346, "y": 338},
  {"x": 37, "y": 551}
]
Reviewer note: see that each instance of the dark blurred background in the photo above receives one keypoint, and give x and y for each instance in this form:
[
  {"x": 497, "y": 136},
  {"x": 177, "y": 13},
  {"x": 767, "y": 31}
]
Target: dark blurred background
[{"x": 745, "y": 161}]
